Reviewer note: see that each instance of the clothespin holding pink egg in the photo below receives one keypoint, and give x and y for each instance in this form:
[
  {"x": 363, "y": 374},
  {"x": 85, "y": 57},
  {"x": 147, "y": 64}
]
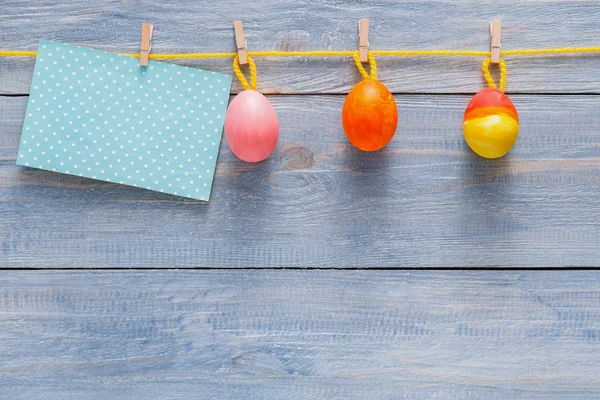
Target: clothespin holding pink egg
[
  {"x": 251, "y": 125},
  {"x": 240, "y": 42},
  {"x": 147, "y": 30}
]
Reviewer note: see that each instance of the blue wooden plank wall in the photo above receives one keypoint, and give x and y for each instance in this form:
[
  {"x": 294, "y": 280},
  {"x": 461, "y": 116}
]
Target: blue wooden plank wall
[
  {"x": 257, "y": 334},
  {"x": 427, "y": 272}
]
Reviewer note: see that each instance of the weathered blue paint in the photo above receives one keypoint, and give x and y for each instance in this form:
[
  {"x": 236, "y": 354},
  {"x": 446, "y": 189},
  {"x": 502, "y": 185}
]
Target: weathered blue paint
[
  {"x": 299, "y": 334},
  {"x": 207, "y": 26},
  {"x": 425, "y": 201}
]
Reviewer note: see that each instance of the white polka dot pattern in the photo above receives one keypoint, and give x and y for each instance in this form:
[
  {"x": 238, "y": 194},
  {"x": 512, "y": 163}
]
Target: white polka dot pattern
[{"x": 102, "y": 116}]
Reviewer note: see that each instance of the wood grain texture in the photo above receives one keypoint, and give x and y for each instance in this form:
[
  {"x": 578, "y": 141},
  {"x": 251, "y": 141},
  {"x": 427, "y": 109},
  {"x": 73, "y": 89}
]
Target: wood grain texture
[
  {"x": 299, "y": 335},
  {"x": 424, "y": 201},
  {"x": 193, "y": 26}
]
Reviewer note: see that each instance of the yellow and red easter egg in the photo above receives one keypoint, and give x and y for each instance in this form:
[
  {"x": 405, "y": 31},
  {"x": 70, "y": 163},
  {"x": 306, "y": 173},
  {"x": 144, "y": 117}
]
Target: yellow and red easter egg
[
  {"x": 491, "y": 123},
  {"x": 370, "y": 115}
]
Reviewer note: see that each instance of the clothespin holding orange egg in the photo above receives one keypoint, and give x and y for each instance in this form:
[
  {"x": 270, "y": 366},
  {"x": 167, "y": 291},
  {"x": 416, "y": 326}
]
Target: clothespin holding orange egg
[
  {"x": 363, "y": 39},
  {"x": 146, "y": 43},
  {"x": 495, "y": 34},
  {"x": 240, "y": 42}
]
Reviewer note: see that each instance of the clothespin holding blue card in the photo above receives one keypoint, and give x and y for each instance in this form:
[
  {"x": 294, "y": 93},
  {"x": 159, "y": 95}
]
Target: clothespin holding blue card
[
  {"x": 122, "y": 123},
  {"x": 146, "y": 44}
]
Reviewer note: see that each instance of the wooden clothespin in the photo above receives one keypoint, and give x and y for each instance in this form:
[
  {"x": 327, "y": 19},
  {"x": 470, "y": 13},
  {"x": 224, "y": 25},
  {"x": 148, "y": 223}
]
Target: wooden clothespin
[
  {"x": 240, "y": 42},
  {"x": 363, "y": 39},
  {"x": 495, "y": 34},
  {"x": 146, "y": 43}
]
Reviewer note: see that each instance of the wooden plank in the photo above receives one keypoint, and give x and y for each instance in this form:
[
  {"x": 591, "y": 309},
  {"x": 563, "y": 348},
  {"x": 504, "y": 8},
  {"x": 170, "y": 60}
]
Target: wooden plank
[
  {"x": 299, "y": 334},
  {"x": 424, "y": 201},
  {"x": 192, "y": 26}
]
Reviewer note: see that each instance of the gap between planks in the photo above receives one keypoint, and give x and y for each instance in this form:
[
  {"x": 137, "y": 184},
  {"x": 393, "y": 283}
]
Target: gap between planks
[{"x": 483, "y": 268}]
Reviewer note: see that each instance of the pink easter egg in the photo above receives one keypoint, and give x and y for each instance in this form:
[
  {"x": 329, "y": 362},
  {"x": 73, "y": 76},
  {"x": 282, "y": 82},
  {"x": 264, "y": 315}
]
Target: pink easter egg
[{"x": 251, "y": 126}]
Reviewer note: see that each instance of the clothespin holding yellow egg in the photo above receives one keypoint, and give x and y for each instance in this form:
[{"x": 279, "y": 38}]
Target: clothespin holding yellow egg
[
  {"x": 495, "y": 34},
  {"x": 146, "y": 43}
]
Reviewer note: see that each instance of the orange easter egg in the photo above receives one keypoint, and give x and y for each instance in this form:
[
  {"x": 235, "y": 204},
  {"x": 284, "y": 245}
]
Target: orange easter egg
[{"x": 370, "y": 115}]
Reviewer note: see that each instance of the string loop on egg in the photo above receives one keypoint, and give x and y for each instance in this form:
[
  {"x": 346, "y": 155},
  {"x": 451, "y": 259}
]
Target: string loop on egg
[
  {"x": 240, "y": 75},
  {"x": 485, "y": 67},
  {"x": 362, "y": 70}
]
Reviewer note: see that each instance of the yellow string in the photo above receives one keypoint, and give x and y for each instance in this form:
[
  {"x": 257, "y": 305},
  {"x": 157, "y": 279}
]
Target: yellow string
[
  {"x": 319, "y": 53},
  {"x": 466, "y": 53},
  {"x": 240, "y": 75},
  {"x": 485, "y": 67},
  {"x": 18, "y": 53},
  {"x": 560, "y": 50},
  {"x": 344, "y": 53},
  {"x": 362, "y": 70}
]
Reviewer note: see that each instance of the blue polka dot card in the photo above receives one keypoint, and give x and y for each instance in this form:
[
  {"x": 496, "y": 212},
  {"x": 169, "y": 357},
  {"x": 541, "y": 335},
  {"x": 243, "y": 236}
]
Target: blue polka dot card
[{"x": 100, "y": 115}]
